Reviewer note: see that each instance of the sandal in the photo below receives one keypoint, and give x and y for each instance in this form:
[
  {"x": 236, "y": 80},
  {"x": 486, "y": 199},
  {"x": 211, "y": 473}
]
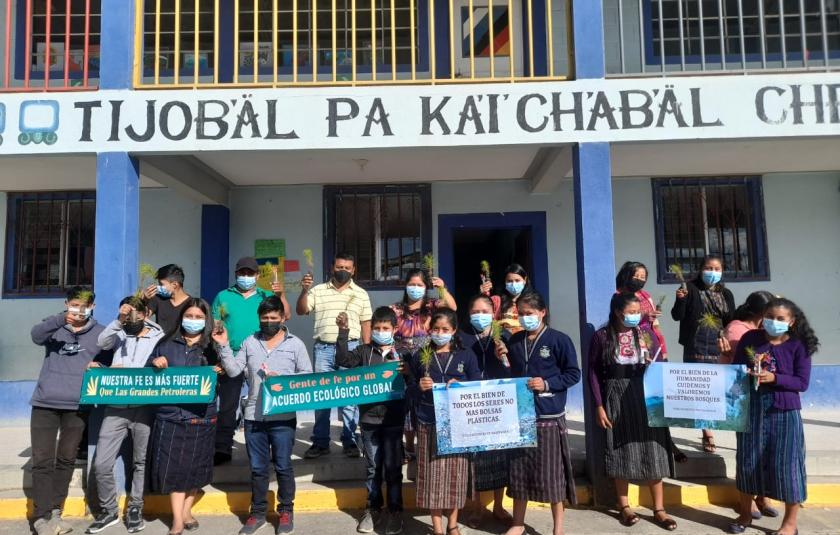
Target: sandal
[
  {"x": 456, "y": 528},
  {"x": 709, "y": 444},
  {"x": 191, "y": 526},
  {"x": 667, "y": 523},
  {"x": 679, "y": 456},
  {"x": 504, "y": 517},
  {"x": 628, "y": 520},
  {"x": 764, "y": 509}
]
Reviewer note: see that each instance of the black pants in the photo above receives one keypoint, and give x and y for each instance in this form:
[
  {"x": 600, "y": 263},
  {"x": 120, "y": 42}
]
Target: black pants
[
  {"x": 229, "y": 390},
  {"x": 52, "y": 465}
]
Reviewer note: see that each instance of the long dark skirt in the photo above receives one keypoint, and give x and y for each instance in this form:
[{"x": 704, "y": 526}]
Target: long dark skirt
[
  {"x": 544, "y": 474},
  {"x": 491, "y": 470},
  {"x": 442, "y": 480},
  {"x": 182, "y": 455},
  {"x": 770, "y": 460},
  {"x": 634, "y": 451}
]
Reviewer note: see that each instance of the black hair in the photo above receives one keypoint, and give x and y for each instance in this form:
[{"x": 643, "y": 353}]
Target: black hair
[
  {"x": 383, "y": 314},
  {"x": 618, "y": 303},
  {"x": 509, "y": 300},
  {"x": 479, "y": 297},
  {"x": 344, "y": 255},
  {"x": 534, "y": 300},
  {"x": 451, "y": 318},
  {"x": 137, "y": 302},
  {"x": 627, "y": 273},
  {"x": 801, "y": 329},
  {"x": 754, "y": 306},
  {"x": 706, "y": 259},
  {"x": 77, "y": 292},
  {"x": 171, "y": 273},
  {"x": 427, "y": 280},
  {"x": 272, "y": 303},
  {"x": 197, "y": 302}
]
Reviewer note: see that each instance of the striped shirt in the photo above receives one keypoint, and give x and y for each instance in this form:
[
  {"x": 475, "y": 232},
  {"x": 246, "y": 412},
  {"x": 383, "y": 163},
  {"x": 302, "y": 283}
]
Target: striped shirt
[{"x": 326, "y": 302}]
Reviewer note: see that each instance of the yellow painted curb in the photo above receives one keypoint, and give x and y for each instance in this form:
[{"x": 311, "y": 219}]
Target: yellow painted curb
[{"x": 688, "y": 494}]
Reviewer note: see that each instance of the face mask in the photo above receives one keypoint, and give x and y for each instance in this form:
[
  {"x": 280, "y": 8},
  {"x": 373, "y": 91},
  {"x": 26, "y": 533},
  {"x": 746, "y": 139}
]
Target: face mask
[
  {"x": 514, "y": 288},
  {"x": 441, "y": 339},
  {"x": 192, "y": 326},
  {"x": 382, "y": 338},
  {"x": 415, "y": 293},
  {"x": 710, "y": 278},
  {"x": 246, "y": 282},
  {"x": 342, "y": 277},
  {"x": 83, "y": 312},
  {"x": 133, "y": 328},
  {"x": 775, "y": 327},
  {"x": 270, "y": 328},
  {"x": 163, "y": 292},
  {"x": 631, "y": 321},
  {"x": 481, "y": 321},
  {"x": 635, "y": 285},
  {"x": 530, "y": 323}
]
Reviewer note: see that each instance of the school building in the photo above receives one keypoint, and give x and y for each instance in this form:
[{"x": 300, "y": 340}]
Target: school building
[{"x": 567, "y": 135}]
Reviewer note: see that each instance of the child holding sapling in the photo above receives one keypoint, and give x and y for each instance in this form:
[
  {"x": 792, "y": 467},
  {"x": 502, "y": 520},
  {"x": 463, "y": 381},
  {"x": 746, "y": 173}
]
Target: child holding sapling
[
  {"x": 770, "y": 457},
  {"x": 517, "y": 283},
  {"x": 704, "y": 307},
  {"x": 631, "y": 278},
  {"x": 442, "y": 480}
]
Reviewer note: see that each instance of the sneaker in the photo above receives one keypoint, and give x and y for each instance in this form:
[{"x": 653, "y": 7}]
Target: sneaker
[
  {"x": 61, "y": 527},
  {"x": 252, "y": 525},
  {"x": 366, "y": 524},
  {"x": 103, "y": 521},
  {"x": 285, "y": 523},
  {"x": 315, "y": 451},
  {"x": 43, "y": 526},
  {"x": 134, "y": 520},
  {"x": 395, "y": 524},
  {"x": 352, "y": 451}
]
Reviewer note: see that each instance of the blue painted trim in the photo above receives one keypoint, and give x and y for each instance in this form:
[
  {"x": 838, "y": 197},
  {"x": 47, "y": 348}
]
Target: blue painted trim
[
  {"x": 116, "y": 49},
  {"x": 441, "y": 37},
  {"x": 226, "y": 59},
  {"x": 588, "y": 34},
  {"x": 535, "y": 221},
  {"x": 117, "y": 236},
  {"x": 215, "y": 250}
]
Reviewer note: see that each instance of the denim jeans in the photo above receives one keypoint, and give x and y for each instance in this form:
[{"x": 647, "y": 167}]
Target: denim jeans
[
  {"x": 271, "y": 442},
  {"x": 384, "y": 455},
  {"x": 325, "y": 362}
]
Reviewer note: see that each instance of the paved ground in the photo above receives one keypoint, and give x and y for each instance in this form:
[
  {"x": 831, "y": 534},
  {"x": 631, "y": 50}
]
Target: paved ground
[{"x": 709, "y": 520}]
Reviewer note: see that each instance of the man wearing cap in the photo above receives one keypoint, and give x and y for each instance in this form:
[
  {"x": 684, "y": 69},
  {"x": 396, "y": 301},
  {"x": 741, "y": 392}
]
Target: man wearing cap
[{"x": 236, "y": 308}]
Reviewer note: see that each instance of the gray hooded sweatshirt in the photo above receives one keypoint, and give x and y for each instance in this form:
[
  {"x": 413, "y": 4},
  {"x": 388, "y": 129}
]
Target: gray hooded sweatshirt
[{"x": 130, "y": 351}]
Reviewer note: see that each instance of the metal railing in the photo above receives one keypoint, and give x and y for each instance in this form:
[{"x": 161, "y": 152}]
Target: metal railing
[
  {"x": 274, "y": 43},
  {"x": 49, "y": 45},
  {"x": 673, "y": 37}
]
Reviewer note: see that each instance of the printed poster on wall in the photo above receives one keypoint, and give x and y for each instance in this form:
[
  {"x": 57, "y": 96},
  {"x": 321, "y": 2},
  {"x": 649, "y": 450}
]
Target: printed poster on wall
[
  {"x": 700, "y": 396},
  {"x": 148, "y": 386},
  {"x": 489, "y": 415}
]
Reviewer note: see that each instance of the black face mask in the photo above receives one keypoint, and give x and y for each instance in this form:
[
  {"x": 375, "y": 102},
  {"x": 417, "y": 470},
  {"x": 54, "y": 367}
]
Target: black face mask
[
  {"x": 133, "y": 328},
  {"x": 342, "y": 277},
  {"x": 270, "y": 328},
  {"x": 635, "y": 285}
]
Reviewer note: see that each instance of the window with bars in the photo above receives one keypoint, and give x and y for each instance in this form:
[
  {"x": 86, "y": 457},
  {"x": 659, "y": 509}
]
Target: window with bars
[
  {"x": 722, "y": 215},
  {"x": 49, "y": 242},
  {"x": 387, "y": 228},
  {"x": 714, "y": 28}
]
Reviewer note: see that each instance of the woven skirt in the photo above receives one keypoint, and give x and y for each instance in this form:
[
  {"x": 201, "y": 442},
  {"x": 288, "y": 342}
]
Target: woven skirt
[
  {"x": 491, "y": 470},
  {"x": 544, "y": 474},
  {"x": 181, "y": 454},
  {"x": 634, "y": 451},
  {"x": 442, "y": 480},
  {"x": 770, "y": 460}
]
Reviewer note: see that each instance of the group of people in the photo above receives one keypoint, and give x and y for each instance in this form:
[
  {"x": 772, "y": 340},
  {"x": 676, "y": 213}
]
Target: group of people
[{"x": 244, "y": 336}]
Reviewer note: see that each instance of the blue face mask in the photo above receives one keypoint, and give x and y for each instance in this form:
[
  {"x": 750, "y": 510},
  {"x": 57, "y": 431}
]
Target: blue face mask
[
  {"x": 246, "y": 282},
  {"x": 415, "y": 293},
  {"x": 710, "y": 278},
  {"x": 631, "y": 321},
  {"x": 775, "y": 327},
  {"x": 481, "y": 321},
  {"x": 530, "y": 323},
  {"x": 382, "y": 338},
  {"x": 514, "y": 288},
  {"x": 192, "y": 326},
  {"x": 441, "y": 339},
  {"x": 163, "y": 292}
]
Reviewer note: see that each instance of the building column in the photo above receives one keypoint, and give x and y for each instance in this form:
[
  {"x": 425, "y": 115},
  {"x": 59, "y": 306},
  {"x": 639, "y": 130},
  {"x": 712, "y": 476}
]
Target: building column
[
  {"x": 594, "y": 232},
  {"x": 215, "y": 250}
]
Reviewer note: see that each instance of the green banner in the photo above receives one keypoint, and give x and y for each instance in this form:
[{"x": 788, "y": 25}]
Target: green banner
[
  {"x": 148, "y": 386},
  {"x": 357, "y": 386}
]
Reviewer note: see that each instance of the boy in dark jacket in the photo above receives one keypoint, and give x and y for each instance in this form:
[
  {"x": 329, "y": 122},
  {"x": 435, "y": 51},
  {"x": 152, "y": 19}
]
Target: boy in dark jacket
[
  {"x": 70, "y": 344},
  {"x": 381, "y": 423}
]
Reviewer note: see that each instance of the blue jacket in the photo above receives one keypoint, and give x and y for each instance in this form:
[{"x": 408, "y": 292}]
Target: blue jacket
[
  {"x": 463, "y": 367},
  {"x": 178, "y": 354},
  {"x": 554, "y": 359},
  {"x": 484, "y": 350}
]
